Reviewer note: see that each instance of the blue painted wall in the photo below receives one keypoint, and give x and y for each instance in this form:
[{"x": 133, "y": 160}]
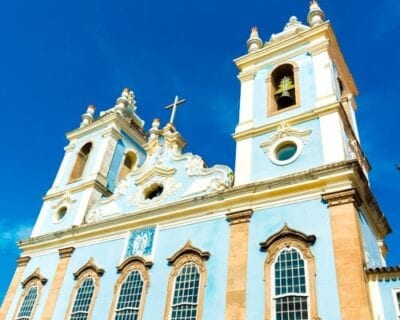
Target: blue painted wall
[
  {"x": 309, "y": 217},
  {"x": 370, "y": 243},
  {"x": 386, "y": 289}
]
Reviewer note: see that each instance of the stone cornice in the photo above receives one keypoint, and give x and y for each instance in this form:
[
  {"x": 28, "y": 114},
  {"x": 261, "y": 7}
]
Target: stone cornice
[
  {"x": 383, "y": 273},
  {"x": 237, "y": 217},
  {"x": 90, "y": 184},
  {"x": 66, "y": 252},
  {"x": 105, "y": 121},
  {"x": 341, "y": 197},
  {"x": 305, "y": 116},
  {"x": 128, "y": 261},
  {"x": 23, "y": 261},
  {"x": 342, "y": 175}
]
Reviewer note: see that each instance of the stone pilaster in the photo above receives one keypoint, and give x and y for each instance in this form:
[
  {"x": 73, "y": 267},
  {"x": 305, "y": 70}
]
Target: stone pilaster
[
  {"x": 65, "y": 256},
  {"x": 237, "y": 264},
  {"x": 349, "y": 254},
  {"x": 12, "y": 289}
]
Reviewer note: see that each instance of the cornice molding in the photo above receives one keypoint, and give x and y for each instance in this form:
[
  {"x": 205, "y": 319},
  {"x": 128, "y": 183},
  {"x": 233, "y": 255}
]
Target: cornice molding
[
  {"x": 188, "y": 248},
  {"x": 66, "y": 252},
  {"x": 342, "y": 175},
  {"x": 23, "y": 261},
  {"x": 238, "y": 217},
  {"x": 147, "y": 264},
  {"x": 383, "y": 273},
  {"x": 341, "y": 197},
  {"x": 90, "y": 265},
  {"x": 303, "y": 117},
  {"x": 36, "y": 275},
  {"x": 288, "y": 233}
]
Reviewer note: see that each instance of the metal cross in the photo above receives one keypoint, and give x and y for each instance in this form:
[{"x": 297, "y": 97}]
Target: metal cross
[{"x": 174, "y": 106}]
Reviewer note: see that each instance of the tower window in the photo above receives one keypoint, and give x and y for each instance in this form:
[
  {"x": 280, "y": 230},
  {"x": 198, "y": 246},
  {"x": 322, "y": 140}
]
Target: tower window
[
  {"x": 154, "y": 191},
  {"x": 80, "y": 162},
  {"x": 283, "y": 88},
  {"x": 286, "y": 151},
  {"x": 128, "y": 164},
  {"x": 60, "y": 213}
]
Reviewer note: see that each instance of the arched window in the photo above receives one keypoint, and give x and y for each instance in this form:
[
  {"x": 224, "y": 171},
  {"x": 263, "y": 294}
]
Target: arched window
[
  {"x": 131, "y": 289},
  {"x": 128, "y": 164},
  {"x": 85, "y": 290},
  {"x": 186, "y": 284},
  {"x": 80, "y": 161},
  {"x": 289, "y": 276},
  {"x": 30, "y": 296},
  {"x": 283, "y": 88}
]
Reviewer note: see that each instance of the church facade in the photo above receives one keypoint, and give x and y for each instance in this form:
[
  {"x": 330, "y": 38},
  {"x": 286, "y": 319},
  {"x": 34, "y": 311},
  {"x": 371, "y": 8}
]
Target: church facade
[{"x": 135, "y": 228}]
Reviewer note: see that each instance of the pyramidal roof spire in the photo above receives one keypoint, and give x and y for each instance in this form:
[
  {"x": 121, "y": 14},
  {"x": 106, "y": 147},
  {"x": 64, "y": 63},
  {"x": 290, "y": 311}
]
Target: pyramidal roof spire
[
  {"x": 315, "y": 16},
  {"x": 254, "y": 42}
]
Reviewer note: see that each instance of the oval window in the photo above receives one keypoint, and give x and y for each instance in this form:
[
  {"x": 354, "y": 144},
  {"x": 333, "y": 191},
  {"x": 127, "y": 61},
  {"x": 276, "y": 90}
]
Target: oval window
[
  {"x": 60, "y": 214},
  {"x": 286, "y": 151}
]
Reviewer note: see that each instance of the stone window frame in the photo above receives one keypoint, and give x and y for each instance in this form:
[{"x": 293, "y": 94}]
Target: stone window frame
[
  {"x": 396, "y": 300},
  {"x": 33, "y": 280},
  {"x": 273, "y": 246},
  {"x": 89, "y": 270},
  {"x": 272, "y": 107},
  {"x": 187, "y": 254},
  {"x": 125, "y": 269},
  {"x": 126, "y": 154}
]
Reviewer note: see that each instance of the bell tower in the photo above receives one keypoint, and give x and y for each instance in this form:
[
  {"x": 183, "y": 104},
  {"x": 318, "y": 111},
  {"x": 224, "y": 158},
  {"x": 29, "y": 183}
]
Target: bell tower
[
  {"x": 296, "y": 102},
  {"x": 100, "y": 153}
]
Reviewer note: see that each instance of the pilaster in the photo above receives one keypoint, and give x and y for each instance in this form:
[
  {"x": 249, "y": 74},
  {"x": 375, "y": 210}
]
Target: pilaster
[
  {"x": 22, "y": 262},
  {"x": 65, "y": 256},
  {"x": 349, "y": 254},
  {"x": 237, "y": 264}
]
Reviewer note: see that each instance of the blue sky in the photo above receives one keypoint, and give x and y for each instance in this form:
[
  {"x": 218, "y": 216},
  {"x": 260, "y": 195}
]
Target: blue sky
[{"x": 57, "y": 57}]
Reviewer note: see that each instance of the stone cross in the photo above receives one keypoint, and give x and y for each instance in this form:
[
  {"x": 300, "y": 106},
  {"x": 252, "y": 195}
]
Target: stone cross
[{"x": 174, "y": 105}]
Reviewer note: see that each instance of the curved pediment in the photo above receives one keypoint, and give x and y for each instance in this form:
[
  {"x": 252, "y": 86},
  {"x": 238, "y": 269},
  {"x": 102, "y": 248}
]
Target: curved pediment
[{"x": 167, "y": 176}]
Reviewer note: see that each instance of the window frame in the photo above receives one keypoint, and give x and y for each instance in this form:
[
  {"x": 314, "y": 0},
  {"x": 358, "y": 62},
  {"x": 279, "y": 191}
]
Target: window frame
[
  {"x": 395, "y": 292},
  {"x": 129, "y": 265},
  {"x": 272, "y": 106},
  {"x": 33, "y": 280},
  {"x": 89, "y": 270},
  {"x": 126, "y": 154},
  {"x": 188, "y": 254},
  {"x": 72, "y": 177},
  {"x": 274, "y": 245}
]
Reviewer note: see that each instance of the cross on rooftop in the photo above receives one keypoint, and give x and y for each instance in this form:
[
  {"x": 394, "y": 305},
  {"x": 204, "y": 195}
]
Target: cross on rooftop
[{"x": 174, "y": 105}]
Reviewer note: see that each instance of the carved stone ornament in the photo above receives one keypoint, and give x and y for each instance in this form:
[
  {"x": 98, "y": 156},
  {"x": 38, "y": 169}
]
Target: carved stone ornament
[
  {"x": 285, "y": 130},
  {"x": 134, "y": 260},
  {"x": 66, "y": 200},
  {"x": 90, "y": 265},
  {"x": 35, "y": 276}
]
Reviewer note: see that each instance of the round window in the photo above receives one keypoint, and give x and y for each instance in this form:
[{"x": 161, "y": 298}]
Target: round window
[
  {"x": 285, "y": 151},
  {"x": 60, "y": 214}
]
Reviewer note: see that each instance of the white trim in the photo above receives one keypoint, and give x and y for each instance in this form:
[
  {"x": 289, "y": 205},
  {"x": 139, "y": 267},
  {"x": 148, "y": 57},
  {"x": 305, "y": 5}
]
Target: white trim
[
  {"x": 277, "y": 144},
  {"x": 273, "y": 297},
  {"x": 395, "y": 291}
]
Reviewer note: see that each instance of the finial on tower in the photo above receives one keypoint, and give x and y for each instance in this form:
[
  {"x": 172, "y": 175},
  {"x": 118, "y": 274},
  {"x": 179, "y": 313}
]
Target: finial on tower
[
  {"x": 254, "y": 42},
  {"x": 315, "y": 16},
  {"x": 87, "y": 117}
]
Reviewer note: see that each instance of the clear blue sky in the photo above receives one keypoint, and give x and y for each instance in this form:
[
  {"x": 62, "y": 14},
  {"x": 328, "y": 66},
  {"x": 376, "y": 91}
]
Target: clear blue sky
[{"x": 56, "y": 57}]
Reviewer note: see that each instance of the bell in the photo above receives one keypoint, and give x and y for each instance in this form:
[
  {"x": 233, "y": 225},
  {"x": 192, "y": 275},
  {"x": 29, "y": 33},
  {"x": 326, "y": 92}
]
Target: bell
[{"x": 285, "y": 99}]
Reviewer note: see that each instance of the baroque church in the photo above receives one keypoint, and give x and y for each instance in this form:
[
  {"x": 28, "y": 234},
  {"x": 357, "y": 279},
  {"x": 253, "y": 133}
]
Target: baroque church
[{"x": 134, "y": 228}]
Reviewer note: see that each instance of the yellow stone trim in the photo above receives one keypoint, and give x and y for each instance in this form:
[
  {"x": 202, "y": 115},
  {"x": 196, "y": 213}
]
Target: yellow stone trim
[
  {"x": 125, "y": 268},
  {"x": 237, "y": 264},
  {"x": 188, "y": 254},
  {"x": 157, "y": 170},
  {"x": 349, "y": 255},
  {"x": 12, "y": 289},
  {"x": 51, "y": 302},
  {"x": 303, "y": 117}
]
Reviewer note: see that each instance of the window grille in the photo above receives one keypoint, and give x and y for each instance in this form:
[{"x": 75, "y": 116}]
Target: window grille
[
  {"x": 80, "y": 310},
  {"x": 25, "y": 311},
  {"x": 129, "y": 297},
  {"x": 290, "y": 293},
  {"x": 184, "y": 302}
]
